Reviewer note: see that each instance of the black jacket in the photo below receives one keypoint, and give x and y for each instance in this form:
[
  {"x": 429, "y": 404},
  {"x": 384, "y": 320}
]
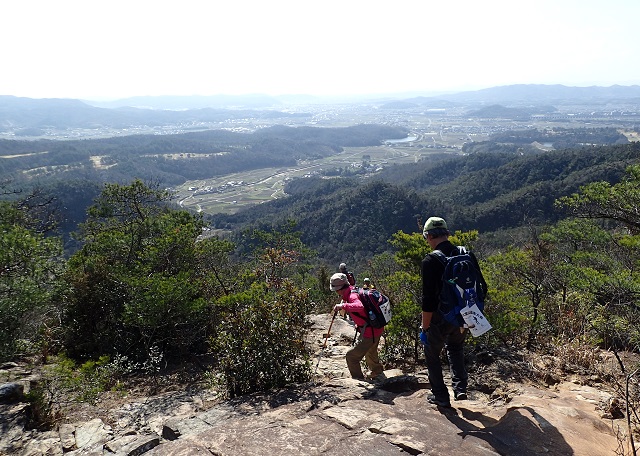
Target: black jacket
[{"x": 431, "y": 271}]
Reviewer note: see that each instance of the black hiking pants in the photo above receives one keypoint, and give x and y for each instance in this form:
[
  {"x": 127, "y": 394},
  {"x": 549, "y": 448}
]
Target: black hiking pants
[{"x": 441, "y": 335}]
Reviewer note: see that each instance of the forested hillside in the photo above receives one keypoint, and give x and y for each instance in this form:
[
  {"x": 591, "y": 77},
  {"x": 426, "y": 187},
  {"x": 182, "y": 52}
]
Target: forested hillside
[
  {"x": 500, "y": 188},
  {"x": 173, "y": 159},
  {"x": 338, "y": 218},
  {"x": 490, "y": 192},
  {"x": 487, "y": 192}
]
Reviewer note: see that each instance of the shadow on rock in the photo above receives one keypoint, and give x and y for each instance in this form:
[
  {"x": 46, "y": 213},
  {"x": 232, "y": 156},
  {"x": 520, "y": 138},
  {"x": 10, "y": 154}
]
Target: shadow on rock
[{"x": 520, "y": 431}]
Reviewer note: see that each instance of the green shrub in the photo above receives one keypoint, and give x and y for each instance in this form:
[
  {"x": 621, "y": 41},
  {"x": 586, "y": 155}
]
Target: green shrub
[
  {"x": 64, "y": 383},
  {"x": 401, "y": 335},
  {"x": 29, "y": 271},
  {"x": 41, "y": 414},
  {"x": 83, "y": 383},
  {"x": 260, "y": 341}
]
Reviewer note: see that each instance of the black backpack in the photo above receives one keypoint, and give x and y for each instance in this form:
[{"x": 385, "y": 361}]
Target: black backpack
[
  {"x": 351, "y": 278},
  {"x": 376, "y": 305},
  {"x": 461, "y": 285}
]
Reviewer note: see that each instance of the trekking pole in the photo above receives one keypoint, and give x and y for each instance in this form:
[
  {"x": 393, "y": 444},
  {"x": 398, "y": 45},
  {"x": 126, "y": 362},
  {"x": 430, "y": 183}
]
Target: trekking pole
[{"x": 326, "y": 338}]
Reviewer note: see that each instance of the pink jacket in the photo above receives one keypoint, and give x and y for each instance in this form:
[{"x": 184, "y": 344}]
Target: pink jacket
[{"x": 354, "y": 306}]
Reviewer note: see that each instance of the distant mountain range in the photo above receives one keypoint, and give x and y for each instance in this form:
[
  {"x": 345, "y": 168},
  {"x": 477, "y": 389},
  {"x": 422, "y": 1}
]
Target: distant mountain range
[
  {"x": 524, "y": 95},
  {"x": 32, "y": 117},
  {"x": 539, "y": 94},
  {"x": 28, "y": 116},
  {"x": 510, "y": 95},
  {"x": 192, "y": 102}
]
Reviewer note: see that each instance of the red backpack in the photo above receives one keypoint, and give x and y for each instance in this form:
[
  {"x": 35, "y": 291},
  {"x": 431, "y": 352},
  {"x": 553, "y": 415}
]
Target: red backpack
[{"x": 376, "y": 305}]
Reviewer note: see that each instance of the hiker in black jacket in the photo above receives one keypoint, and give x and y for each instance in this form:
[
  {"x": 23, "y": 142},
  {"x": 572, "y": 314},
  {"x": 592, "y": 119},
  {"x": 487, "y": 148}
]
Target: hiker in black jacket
[
  {"x": 350, "y": 277},
  {"x": 436, "y": 333}
]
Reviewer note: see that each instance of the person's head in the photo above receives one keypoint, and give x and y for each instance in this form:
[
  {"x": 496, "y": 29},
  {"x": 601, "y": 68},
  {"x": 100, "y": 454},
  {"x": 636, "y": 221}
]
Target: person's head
[
  {"x": 435, "y": 231},
  {"x": 339, "y": 284},
  {"x": 367, "y": 281},
  {"x": 343, "y": 267}
]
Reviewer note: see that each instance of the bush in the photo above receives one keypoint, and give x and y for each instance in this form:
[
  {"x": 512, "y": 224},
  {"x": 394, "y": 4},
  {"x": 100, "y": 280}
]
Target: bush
[
  {"x": 400, "y": 337},
  {"x": 29, "y": 271},
  {"x": 260, "y": 342},
  {"x": 64, "y": 383}
]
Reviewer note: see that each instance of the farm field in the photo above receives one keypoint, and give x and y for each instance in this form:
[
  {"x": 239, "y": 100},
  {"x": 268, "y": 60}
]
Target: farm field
[
  {"x": 429, "y": 135},
  {"x": 230, "y": 193}
]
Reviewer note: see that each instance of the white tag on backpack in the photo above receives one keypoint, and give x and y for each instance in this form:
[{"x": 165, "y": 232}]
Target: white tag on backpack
[
  {"x": 385, "y": 308},
  {"x": 475, "y": 320}
]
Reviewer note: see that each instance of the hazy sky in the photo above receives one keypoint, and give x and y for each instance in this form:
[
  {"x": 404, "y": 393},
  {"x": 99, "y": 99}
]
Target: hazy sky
[{"x": 98, "y": 49}]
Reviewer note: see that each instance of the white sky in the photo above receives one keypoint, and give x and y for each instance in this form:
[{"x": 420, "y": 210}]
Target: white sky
[{"x": 107, "y": 49}]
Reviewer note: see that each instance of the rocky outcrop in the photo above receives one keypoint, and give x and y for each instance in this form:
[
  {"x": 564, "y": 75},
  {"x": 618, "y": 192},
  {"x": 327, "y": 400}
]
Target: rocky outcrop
[
  {"x": 335, "y": 415},
  {"x": 354, "y": 417}
]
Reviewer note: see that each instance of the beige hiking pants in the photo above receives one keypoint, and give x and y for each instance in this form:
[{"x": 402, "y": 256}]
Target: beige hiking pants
[{"x": 368, "y": 349}]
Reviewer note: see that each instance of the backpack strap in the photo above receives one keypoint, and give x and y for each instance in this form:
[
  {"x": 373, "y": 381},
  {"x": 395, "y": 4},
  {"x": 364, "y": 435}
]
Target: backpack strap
[
  {"x": 356, "y": 290},
  {"x": 443, "y": 258},
  {"x": 440, "y": 256}
]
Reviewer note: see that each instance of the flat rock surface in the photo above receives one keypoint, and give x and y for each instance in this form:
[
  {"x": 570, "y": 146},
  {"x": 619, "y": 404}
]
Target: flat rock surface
[
  {"x": 335, "y": 414},
  {"x": 344, "y": 413}
]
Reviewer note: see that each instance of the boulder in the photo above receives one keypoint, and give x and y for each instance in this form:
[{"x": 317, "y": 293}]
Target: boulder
[
  {"x": 92, "y": 433},
  {"x": 11, "y": 393},
  {"x": 132, "y": 445}
]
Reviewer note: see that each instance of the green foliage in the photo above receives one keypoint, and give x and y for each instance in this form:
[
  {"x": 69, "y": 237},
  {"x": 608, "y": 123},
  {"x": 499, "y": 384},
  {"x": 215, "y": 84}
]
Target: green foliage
[
  {"x": 146, "y": 286},
  {"x": 401, "y": 344},
  {"x": 64, "y": 382},
  {"x": 600, "y": 267},
  {"x": 29, "y": 269},
  {"x": 602, "y": 200},
  {"x": 548, "y": 288},
  {"x": 215, "y": 269},
  {"x": 166, "y": 311},
  {"x": 412, "y": 248},
  {"x": 259, "y": 338},
  {"x": 508, "y": 306},
  {"x": 125, "y": 209},
  {"x": 136, "y": 284},
  {"x": 92, "y": 318},
  {"x": 338, "y": 218},
  {"x": 260, "y": 341},
  {"x": 574, "y": 281},
  {"x": 277, "y": 252},
  {"x": 82, "y": 383}
]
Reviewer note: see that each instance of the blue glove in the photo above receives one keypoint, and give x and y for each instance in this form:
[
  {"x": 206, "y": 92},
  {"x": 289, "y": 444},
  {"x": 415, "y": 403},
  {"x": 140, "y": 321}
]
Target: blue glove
[{"x": 424, "y": 338}]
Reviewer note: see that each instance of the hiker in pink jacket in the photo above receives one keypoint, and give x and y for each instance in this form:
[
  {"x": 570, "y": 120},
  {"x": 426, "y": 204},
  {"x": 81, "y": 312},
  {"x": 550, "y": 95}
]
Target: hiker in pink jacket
[{"x": 369, "y": 337}]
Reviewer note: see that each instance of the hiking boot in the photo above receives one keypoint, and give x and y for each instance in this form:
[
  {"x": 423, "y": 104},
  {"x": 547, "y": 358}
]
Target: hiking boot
[
  {"x": 376, "y": 378},
  {"x": 460, "y": 396},
  {"x": 439, "y": 402}
]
